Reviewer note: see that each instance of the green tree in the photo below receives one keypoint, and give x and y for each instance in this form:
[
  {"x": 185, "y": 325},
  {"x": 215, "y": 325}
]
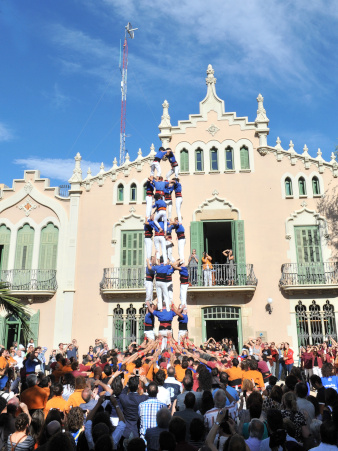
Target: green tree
[{"x": 13, "y": 306}]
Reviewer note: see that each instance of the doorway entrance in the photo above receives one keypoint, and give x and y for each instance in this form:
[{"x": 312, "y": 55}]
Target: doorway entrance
[
  {"x": 13, "y": 331},
  {"x": 223, "y": 322},
  {"x": 217, "y": 238}
]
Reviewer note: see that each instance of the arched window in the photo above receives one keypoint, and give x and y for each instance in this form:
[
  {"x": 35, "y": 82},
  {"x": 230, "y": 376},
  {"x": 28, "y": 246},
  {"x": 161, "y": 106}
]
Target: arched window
[
  {"x": 133, "y": 192},
  {"x": 144, "y": 192},
  {"x": 23, "y": 258},
  {"x": 118, "y": 327},
  {"x": 302, "y": 186},
  {"x": 213, "y": 159},
  {"x": 120, "y": 193},
  {"x": 5, "y": 237},
  {"x": 48, "y": 247},
  {"x": 229, "y": 159},
  {"x": 288, "y": 187},
  {"x": 302, "y": 324},
  {"x": 244, "y": 156},
  {"x": 329, "y": 320},
  {"x": 315, "y": 186},
  {"x": 199, "y": 163},
  {"x": 184, "y": 161}
]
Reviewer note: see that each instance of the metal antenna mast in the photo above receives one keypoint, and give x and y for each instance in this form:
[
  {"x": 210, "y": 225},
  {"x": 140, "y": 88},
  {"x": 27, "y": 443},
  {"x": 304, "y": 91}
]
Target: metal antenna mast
[{"x": 128, "y": 31}]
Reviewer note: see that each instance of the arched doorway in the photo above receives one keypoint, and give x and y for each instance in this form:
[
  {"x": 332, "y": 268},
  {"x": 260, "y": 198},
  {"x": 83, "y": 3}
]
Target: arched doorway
[{"x": 223, "y": 322}]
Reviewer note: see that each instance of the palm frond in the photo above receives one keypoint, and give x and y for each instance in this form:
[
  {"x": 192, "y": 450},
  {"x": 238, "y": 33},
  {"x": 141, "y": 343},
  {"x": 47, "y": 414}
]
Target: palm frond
[{"x": 13, "y": 306}]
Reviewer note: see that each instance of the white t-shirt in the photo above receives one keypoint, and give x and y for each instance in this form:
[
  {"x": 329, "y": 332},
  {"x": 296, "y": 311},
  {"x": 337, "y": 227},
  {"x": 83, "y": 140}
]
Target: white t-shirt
[
  {"x": 19, "y": 361},
  {"x": 163, "y": 395}
]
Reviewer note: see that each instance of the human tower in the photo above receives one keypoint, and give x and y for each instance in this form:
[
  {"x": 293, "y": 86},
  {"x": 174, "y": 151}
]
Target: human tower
[{"x": 158, "y": 229}]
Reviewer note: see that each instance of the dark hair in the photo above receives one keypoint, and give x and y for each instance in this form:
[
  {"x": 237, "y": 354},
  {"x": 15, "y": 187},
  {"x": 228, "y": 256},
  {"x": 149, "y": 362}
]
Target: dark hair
[
  {"x": 255, "y": 410},
  {"x": 133, "y": 383},
  {"x": 75, "y": 419},
  {"x": 327, "y": 369},
  {"x": 189, "y": 400},
  {"x": 197, "y": 429},
  {"x": 235, "y": 362},
  {"x": 117, "y": 386},
  {"x": 315, "y": 403},
  {"x": 274, "y": 419},
  {"x": 99, "y": 430},
  {"x": 276, "y": 393},
  {"x": 188, "y": 372},
  {"x": 177, "y": 427},
  {"x": 68, "y": 379},
  {"x": 167, "y": 441},
  {"x": 207, "y": 402},
  {"x": 80, "y": 383},
  {"x": 273, "y": 380},
  {"x": 152, "y": 389},
  {"x": 328, "y": 433},
  {"x": 21, "y": 422},
  {"x": 301, "y": 390},
  {"x": 160, "y": 377},
  {"x": 331, "y": 396},
  {"x": 107, "y": 370},
  {"x": 253, "y": 365},
  {"x": 136, "y": 444},
  {"x": 204, "y": 380},
  {"x": 61, "y": 440},
  {"x": 291, "y": 382},
  {"x": 187, "y": 383},
  {"x": 104, "y": 443},
  {"x": 314, "y": 379}
]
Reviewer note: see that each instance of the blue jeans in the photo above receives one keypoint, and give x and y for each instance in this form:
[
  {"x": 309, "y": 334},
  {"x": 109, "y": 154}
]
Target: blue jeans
[
  {"x": 288, "y": 368},
  {"x": 281, "y": 366}
]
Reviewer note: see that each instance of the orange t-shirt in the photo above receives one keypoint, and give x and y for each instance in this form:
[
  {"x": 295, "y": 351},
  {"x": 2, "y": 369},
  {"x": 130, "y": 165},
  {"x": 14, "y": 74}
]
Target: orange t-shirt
[
  {"x": 130, "y": 367},
  {"x": 3, "y": 362},
  {"x": 234, "y": 374},
  {"x": 180, "y": 373},
  {"x": 57, "y": 402},
  {"x": 75, "y": 399},
  {"x": 256, "y": 376},
  {"x": 34, "y": 397}
]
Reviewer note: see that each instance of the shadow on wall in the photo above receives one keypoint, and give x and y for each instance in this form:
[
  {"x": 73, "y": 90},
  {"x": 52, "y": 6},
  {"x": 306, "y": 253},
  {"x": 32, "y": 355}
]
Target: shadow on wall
[{"x": 328, "y": 208}]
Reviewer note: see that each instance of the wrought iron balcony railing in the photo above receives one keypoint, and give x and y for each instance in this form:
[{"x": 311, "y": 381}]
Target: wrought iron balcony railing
[
  {"x": 294, "y": 274},
  {"x": 30, "y": 279},
  {"x": 221, "y": 275}
]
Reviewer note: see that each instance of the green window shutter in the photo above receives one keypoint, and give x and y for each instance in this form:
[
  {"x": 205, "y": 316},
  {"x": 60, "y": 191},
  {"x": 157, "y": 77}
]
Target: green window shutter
[
  {"x": 238, "y": 244},
  {"x": 2, "y": 330},
  {"x": 184, "y": 161},
  {"x": 288, "y": 187},
  {"x": 34, "y": 322},
  {"x": 315, "y": 186},
  {"x": 132, "y": 249},
  {"x": 48, "y": 247},
  {"x": 144, "y": 192},
  {"x": 302, "y": 186},
  {"x": 133, "y": 192},
  {"x": 244, "y": 154},
  {"x": 5, "y": 237},
  {"x": 197, "y": 238},
  {"x": 120, "y": 193},
  {"x": 199, "y": 162},
  {"x": 229, "y": 161},
  {"x": 309, "y": 255},
  {"x": 24, "y": 248}
]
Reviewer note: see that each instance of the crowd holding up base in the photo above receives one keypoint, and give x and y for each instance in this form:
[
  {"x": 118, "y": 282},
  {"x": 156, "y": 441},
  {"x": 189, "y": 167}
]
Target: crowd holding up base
[{"x": 177, "y": 397}]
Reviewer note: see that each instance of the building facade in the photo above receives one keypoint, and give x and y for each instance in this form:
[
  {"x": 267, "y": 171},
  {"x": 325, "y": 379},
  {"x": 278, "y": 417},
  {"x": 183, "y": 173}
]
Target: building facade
[{"x": 77, "y": 257}]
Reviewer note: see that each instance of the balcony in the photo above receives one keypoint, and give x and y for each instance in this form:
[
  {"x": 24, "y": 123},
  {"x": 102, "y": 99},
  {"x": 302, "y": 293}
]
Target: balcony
[
  {"x": 30, "y": 283},
  {"x": 123, "y": 281},
  {"x": 308, "y": 277},
  {"x": 224, "y": 278}
]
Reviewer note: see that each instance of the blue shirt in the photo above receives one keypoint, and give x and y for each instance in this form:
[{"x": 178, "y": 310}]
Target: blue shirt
[
  {"x": 168, "y": 188},
  {"x": 183, "y": 320},
  {"x": 116, "y": 435},
  {"x": 162, "y": 269},
  {"x": 149, "y": 319},
  {"x": 160, "y": 185},
  {"x": 160, "y": 154},
  {"x": 178, "y": 187},
  {"x": 147, "y": 411},
  {"x": 160, "y": 204},
  {"x": 330, "y": 382},
  {"x": 165, "y": 316},
  {"x": 179, "y": 228},
  {"x": 172, "y": 158}
]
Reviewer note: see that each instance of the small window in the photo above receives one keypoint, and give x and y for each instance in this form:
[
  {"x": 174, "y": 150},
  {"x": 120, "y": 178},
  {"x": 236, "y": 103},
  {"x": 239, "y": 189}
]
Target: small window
[
  {"x": 199, "y": 164},
  {"x": 144, "y": 192},
  {"x": 229, "y": 159},
  {"x": 315, "y": 186},
  {"x": 120, "y": 193},
  {"x": 302, "y": 186},
  {"x": 213, "y": 159},
  {"x": 288, "y": 187},
  {"x": 184, "y": 161},
  {"x": 244, "y": 154},
  {"x": 133, "y": 192}
]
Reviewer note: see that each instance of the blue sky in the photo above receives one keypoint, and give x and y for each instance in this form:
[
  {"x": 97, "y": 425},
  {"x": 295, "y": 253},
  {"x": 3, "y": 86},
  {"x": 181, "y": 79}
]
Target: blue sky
[{"x": 60, "y": 79}]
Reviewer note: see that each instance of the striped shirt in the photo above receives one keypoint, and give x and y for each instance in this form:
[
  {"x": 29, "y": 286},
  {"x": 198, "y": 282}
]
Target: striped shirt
[{"x": 147, "y": 411}]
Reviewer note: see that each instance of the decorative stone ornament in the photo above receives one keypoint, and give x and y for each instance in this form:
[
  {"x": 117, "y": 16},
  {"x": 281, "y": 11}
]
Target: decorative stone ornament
[
  {"x": 77, "y": 172},
  {"x": 165, "y": 125},
  {"x": 27, "y": 206},
  {"x": 212, "y": 129},
  {"x": 210, "y": 80},
  {"x": 28, "y": 187},
  {"x": 261, "y": 122}
]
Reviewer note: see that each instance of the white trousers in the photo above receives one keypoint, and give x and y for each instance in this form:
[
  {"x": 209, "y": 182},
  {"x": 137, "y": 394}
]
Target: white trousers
[
  {"x": 164, "y": 334},
  {"x": 181, "y": 334},
  {"x": 207, "y": 277},
  {"x": 170, "y": 292},
  {"x": 183, "y": 293},
  {"x": 169, "y": 207},
  {"x": 161, "y": 215},
  {"x": 148, "y": 244},
  {"x": 162, "y": 295},
  {"x": 181, "y": 244},
  {"x": 149, "y": 334},
  {"x": 169, "y": 247},
  {"x": 317, "y": 371},
  {"x": 172, "y": 171},
  {"x": 149, "y": 206},
  {"x": 155, "y": 165},
  {"x": 159, "y": 242},
  {"x": 149, "y": 290},
  {"x": 179, "y": 201}
]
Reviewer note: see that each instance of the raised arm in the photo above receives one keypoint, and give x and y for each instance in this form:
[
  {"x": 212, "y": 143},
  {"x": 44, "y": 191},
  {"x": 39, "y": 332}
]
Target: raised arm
[
  {"x": 178, "y": 313},
  {"x": 150, "y": 307}
]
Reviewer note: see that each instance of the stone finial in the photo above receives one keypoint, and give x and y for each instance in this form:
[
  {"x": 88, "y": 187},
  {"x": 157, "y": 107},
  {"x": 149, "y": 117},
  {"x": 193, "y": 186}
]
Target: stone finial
[
  {"x": 305, "y": 151},
  {"x": 152, "y": 150},
  {"x": 333, "y": 158},
  {"x": 278, "y": 143},
  {"x": 139, "y": 154},
  {"x": 115, "y": 164},
  {"x": 319, "y": 154},
  {"x": 127, "y": 158},
  {"x": 165, "y": 118},
  {"x": 102, "y": 168},
  {"x": 77, "y": 172},
  {"x": 89, "y": 174},
  {"x": 210, "y": 80},
  {"x": 261, "y": 113},
  {"x": 291, "y": 147}
]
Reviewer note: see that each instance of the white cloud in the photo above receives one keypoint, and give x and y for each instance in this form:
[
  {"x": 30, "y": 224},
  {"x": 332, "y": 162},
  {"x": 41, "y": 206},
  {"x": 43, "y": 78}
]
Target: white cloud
[
  {"x": 6, "y": 134},
  {"x": 56, "y": 97},
  {"x": 58, "y": 168}
]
